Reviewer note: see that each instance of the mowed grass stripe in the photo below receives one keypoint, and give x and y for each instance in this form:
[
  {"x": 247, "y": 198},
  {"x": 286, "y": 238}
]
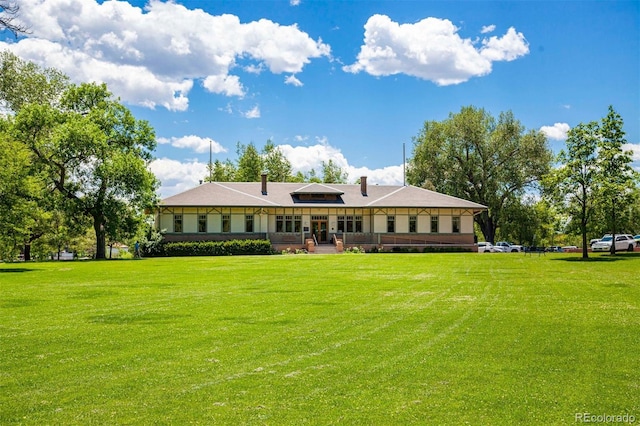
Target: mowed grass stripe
[{"x": 362, "y": 339}]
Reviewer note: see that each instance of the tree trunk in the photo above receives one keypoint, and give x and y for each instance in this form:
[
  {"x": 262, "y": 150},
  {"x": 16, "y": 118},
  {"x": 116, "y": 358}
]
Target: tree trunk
[
  {"x": 27, "y": 252},
  {"x": 583, "y": 227},
  {"x": 487, "y": 226},
  {"x": 613, "y": 230},
  {"x": 585, "y": 252},
  {"x": 98, "y": 226}
]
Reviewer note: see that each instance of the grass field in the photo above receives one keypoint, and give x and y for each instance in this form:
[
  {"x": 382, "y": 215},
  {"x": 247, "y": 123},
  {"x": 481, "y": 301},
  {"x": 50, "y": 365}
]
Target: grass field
[{"x": 321, "y": 339}]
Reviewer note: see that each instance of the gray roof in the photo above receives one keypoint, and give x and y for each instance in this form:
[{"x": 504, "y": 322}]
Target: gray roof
[{"x": 249, "y": 194}]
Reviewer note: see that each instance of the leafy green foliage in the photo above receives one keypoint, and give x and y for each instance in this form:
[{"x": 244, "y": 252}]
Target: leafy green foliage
[
  {"x": 473, "y": 156},
  {"x": 210, "y": 248},
  {"x": 23, "y": 83},
  {"x": 95, "y": 153},
  {"x": 595, "y": 179},
  {"x": 251, "y": 164},
  {"x": 618, "y": 179},
  {"x": 332, "y": 173}
]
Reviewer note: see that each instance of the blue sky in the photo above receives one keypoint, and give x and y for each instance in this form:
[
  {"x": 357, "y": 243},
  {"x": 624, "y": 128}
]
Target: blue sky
[{"x": 350, "y": 81}]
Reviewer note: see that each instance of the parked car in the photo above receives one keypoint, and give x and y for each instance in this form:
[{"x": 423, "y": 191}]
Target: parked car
[
  {"x": 508, "y": 247},
  {"x": 623, "y": 242},
  {"x": 637, "y": 238},
  {"x": 593, "y": 241},
  {"x": 554, "y": 249},
  {"x": 485, "y": 247}
]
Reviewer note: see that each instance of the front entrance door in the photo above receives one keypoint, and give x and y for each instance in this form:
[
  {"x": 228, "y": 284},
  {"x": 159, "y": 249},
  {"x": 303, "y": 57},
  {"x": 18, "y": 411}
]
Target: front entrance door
[{"x": 319, "y": 229}]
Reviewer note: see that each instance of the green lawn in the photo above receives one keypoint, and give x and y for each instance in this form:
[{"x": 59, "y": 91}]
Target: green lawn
[{"x": 321, "y": 339}]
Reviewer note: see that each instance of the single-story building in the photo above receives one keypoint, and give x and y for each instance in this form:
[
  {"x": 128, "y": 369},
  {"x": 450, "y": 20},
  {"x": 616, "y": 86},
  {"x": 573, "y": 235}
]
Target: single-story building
[{"x": 291, "y": 215}]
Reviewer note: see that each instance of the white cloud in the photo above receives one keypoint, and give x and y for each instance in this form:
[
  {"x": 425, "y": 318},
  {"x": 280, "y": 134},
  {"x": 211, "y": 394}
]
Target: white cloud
[
  {"x": 176, "y": 176},
  {"x": 556, "y": 132},
  {"x": 228, "y": 85},
  {"x": 253, "y": 112},
  {"x": 293, "y": 81},
  {"x": 196, "y": 143},
  {"x": 254, "y": 68},
  {"x": 431, "y": 49},
  {"x": 294, "y": 2},
  {"x": 152, "y": 56},
  {"x": 306, "y": 158},
  {"x": 488, "y": 29},
  {"x": 635, "y": 149},
  {"x": 509, "y": 47}
]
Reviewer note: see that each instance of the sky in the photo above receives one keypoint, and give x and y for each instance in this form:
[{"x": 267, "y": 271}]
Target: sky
[{"x": 348, "y": 81}]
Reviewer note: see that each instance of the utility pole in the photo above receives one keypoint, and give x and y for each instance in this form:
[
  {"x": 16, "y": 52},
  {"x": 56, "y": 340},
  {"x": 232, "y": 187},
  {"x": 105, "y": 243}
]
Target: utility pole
[
  {"x": 210, "y": 163},
  {"x": 404, "y": 167}
]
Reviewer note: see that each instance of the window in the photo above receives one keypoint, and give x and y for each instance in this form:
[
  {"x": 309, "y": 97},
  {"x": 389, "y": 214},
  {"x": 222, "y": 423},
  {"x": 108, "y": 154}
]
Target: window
[
  {"x": 391, "y": 224},
  {"x": 349, "y": 223},
  {"x": 248, "y": 223},
  {"x": 288, "y": 223},
  {"x": 226, "y": 223},
  {"x": 455, "y": 224},
  {"x": 413, "y": 224},
  {"x": 177, "y": 223},
  {"x": 202, "y": 223},
  {"x": 434, "y": 224}
]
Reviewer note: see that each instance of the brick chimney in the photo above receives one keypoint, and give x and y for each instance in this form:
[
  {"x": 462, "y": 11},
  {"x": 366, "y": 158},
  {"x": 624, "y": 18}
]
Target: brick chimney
[
  {"x": 363, "y": 185},
  {"x": 264, "y": 184}
]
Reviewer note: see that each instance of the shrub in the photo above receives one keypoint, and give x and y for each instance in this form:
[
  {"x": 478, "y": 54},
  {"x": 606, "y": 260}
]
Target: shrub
[
  {"x": 289, "y": 250},
  {"x": 213, "y": 248},
  {"x": 354, "y": 250}
]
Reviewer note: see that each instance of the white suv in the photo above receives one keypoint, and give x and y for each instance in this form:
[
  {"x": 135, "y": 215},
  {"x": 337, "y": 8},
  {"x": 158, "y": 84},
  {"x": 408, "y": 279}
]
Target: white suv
[
  {"x": 623, "y": 242},
  {"x": 508, "y": 247}
]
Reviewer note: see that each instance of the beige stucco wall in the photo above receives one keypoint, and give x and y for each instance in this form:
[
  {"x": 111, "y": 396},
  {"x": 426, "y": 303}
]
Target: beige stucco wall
[{"x": 372, "y": 221}]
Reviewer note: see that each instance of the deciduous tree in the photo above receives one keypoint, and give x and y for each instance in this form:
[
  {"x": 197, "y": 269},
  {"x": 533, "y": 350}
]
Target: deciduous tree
[
  {"x": 250, "y": 163},
  {"x": 473, "y": 156},
  {"x": 576, "y": 183},
  {"x": 332, "y": 173},
  {"x": 277, "y": 166},
  {"x": 616, "y": 174},
  {"x": 95, "y": 154}
]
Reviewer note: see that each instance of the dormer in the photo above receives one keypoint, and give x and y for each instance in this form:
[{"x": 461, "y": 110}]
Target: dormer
[{"x": 317, "y": 193}]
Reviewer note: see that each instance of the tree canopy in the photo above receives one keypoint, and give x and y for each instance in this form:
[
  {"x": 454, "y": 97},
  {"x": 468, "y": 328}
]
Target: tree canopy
[
  {"x": 595, "y": 179},
  {"x": 84, "y": 146},
  {"x": 251, "y": 164},
  {"x": 472, "y": 155}
]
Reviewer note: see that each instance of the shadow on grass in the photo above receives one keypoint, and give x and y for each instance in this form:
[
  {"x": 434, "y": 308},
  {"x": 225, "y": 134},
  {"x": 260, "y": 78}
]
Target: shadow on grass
[
  {"x": 15, "y": 270},
  {"x": 601, "y": 258},
  {"x": 19, "y": 303}
]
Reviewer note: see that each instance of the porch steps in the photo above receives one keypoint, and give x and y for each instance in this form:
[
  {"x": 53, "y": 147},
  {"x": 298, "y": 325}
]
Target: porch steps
[{"x": 325, "y": 249}]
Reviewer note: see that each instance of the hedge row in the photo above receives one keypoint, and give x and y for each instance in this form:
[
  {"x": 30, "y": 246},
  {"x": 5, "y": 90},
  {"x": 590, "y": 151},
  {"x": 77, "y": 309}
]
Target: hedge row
[{"x": 212, "y": 248}]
